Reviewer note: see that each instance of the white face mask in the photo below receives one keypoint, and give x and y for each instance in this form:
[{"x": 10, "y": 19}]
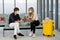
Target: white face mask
[
  {"x": 17, "y": 12},
  {"x": 30, "y": 11}
]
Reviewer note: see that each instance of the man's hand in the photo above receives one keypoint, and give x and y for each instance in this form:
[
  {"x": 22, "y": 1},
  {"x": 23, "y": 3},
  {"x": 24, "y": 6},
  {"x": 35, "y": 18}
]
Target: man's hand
[{"x": 21, "y": 20}]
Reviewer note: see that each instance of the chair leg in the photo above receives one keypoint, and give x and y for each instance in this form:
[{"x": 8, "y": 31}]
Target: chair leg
[{"x": 3, "y": 32}]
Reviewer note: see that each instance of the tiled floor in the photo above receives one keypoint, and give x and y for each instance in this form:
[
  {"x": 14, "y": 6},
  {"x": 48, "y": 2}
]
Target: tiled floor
[{"x": 39, "y": 36}]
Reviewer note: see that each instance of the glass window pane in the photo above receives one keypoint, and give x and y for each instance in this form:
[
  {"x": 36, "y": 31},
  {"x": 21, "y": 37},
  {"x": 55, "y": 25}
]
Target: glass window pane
[
  {"x": 54, "y": 8},
  {"x": 1, "y": 7},
  {"x": 49, "y": 5},
  {"x": 59, "y": 14},
  {"x": 21, "y": 4},
  {"x": 45, "y": 8},
  {"x": 59, "y": 7},
  {"x": 8, "y": 6},
  {"x": 32, "y": 3}
]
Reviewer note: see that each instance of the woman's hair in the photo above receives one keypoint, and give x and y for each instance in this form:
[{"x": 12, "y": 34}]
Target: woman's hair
[{"x": 32, "y": 9}]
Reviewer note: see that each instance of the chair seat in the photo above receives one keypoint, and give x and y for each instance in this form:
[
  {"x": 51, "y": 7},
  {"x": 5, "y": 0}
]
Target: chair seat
[{"x": 25, "y": 24}]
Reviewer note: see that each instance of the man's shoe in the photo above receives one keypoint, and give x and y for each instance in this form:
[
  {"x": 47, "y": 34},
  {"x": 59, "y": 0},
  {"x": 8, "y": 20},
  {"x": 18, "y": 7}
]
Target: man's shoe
[
  {"x": 15, "y": 37},
  {"x": 20, "y": 34}
]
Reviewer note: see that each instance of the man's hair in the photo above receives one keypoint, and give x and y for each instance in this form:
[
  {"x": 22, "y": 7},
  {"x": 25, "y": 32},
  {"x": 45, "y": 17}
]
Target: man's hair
[{"x": 16, "y": 9}]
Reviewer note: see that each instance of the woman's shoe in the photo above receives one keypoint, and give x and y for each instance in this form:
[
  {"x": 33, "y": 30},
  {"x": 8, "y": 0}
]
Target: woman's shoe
[{"x": 31, "y": 33}]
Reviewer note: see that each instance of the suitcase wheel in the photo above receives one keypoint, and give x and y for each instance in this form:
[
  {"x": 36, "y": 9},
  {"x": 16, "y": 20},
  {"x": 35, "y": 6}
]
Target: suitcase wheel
[
  {"x": 43, "y": 34},
  {"x": 53, "y": 35},
  {"x": 48, "y": 35}
]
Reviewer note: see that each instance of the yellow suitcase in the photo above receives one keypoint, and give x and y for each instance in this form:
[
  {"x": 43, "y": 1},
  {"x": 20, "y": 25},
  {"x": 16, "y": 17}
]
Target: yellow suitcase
[{"x": 48, "y": 28}]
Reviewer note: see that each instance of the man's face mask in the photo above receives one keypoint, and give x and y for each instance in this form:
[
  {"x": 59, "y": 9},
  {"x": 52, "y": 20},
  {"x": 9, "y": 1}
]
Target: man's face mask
[{"x": 17, "y": 12}]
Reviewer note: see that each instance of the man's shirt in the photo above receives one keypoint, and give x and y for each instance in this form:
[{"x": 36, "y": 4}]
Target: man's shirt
[{"x": 13, "y": 18}]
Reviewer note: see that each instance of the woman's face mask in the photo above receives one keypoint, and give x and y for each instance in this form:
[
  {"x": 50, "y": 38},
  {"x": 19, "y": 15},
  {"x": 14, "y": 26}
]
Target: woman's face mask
[{"x": 30, "y": 11}]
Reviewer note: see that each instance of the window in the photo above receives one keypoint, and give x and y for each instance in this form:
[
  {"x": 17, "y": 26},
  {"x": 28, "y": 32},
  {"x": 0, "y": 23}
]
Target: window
[
  {"x": 8, "y": 6},
  {"x": 54, "y": 8},
  {"x": 1, "y": 7},
  {"x": 59, "y": 7},
  {"x": 45, "y": 8},
  {"x": 32, "y": 3},
  {"x": 58, "y": 14},
  {"x": 21, "y": 4},
  {"x": 49, "y": 5}
]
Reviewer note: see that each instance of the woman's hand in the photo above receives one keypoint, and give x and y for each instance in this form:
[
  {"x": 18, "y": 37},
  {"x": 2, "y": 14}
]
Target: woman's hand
[{"x": 30, "y": 18}]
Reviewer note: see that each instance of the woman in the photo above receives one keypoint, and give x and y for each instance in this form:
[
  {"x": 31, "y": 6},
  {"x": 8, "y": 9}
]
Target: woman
[{"x": 33, "y": 21}]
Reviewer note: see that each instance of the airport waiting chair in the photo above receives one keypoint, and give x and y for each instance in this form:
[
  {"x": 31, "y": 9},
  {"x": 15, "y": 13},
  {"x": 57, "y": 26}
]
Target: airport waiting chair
[{"x": 24, "y": 25}]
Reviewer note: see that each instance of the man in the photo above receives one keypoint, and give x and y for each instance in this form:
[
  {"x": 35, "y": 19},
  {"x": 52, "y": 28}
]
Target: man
[{"x": 14, "y": 20}]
